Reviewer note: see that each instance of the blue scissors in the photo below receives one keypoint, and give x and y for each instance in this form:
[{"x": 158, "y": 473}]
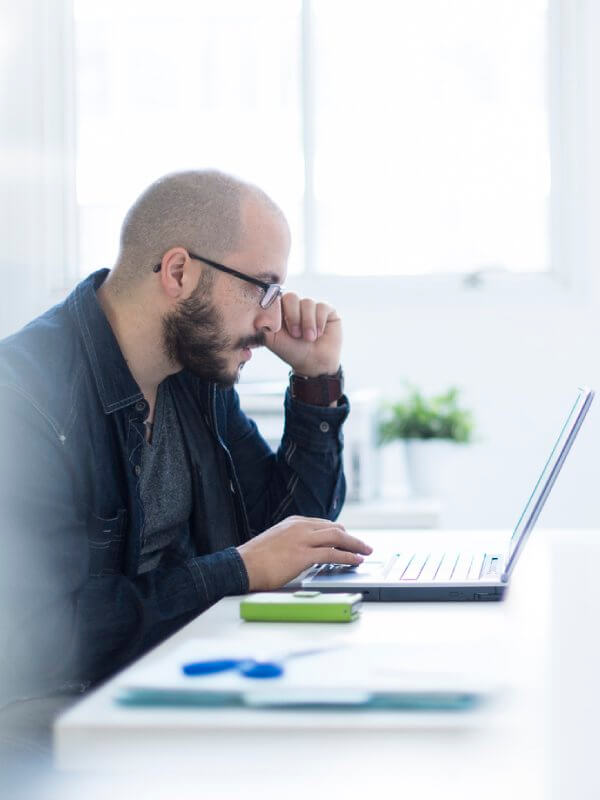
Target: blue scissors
[{"x": 248, "y": 667}]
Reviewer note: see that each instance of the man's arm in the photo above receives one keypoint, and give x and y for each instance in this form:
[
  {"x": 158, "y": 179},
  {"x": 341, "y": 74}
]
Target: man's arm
[
  {"x": 305, "y": 477},
  {"x": 61, "y": 626},
  {"x": 284, "y": 494}
]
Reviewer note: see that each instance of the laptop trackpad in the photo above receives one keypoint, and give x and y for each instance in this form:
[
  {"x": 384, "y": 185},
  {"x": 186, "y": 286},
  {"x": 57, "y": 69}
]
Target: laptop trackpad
[{"x": 371, "y": 569}]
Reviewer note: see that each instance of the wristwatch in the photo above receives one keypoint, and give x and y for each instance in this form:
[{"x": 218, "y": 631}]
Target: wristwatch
[{"x": 319, "y": 391}]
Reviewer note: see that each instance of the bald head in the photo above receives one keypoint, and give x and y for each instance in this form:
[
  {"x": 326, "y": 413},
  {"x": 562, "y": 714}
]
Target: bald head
[{"x": 201, "y": 210}]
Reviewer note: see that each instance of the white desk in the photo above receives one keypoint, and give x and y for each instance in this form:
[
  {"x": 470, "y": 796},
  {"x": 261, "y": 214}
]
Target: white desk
[{"x": 232, "y": 752}]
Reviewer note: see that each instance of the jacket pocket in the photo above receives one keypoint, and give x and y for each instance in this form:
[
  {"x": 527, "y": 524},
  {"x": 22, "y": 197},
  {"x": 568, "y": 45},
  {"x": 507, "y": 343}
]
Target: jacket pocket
[{"x": 106, "y": 541}]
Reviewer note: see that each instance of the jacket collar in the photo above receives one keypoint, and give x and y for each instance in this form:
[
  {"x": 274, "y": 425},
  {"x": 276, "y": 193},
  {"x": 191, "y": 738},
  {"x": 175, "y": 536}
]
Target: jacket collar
[{"x": 116, "y": 385}]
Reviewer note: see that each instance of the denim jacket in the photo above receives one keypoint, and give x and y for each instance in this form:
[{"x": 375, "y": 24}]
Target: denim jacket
[{"x": 73, "y": 608}]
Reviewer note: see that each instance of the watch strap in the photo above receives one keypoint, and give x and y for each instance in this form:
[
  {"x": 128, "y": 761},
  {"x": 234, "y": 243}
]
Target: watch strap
[{"x": 317, "y": 391}]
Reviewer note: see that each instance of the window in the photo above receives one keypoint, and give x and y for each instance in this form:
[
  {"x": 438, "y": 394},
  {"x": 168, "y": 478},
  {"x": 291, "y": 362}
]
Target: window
[
  {"x": 402, "y": 138},
  {"x": 431, "y": 149},
  {"x": 183, "y": 85}
]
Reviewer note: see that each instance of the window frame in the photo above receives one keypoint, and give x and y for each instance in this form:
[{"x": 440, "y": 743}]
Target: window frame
[
  {"x": 569, "y": 273},
  {"x": 566, "y": 274}
]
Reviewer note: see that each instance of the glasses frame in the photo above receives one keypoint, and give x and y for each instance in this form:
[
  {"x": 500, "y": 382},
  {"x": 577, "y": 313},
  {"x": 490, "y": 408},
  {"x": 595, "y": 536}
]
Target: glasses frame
[{"x": 271, "y": 290}]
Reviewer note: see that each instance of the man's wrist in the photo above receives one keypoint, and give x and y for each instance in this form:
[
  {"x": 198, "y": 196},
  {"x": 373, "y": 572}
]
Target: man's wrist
[
  {"x": 307, "y": 371},
  {"x": 319, "y": 390}
]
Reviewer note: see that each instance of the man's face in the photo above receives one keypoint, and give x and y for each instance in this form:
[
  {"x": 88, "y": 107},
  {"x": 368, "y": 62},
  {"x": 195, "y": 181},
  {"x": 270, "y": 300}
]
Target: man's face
[
  {"x": 210, "y": 333},
  {"x": 196, "y": 337}
]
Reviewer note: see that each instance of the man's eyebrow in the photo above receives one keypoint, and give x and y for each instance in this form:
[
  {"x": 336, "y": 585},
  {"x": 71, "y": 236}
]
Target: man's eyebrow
[{"x": 269, "y": 277}]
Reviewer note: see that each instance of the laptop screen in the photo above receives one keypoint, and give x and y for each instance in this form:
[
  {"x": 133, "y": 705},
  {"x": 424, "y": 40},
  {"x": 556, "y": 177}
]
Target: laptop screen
[{"x": 546, "y": 480}]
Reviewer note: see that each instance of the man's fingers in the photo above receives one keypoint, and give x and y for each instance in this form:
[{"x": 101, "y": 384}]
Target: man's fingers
[
  {"x": 334, "y": 537},
  {"x": 322, "y": 313},
  {"x": 291, "y": 314},
  {"x": 317, "y": 523},
  {"x": 331, "y": 555},
  {"x": 309, "y": 321}
]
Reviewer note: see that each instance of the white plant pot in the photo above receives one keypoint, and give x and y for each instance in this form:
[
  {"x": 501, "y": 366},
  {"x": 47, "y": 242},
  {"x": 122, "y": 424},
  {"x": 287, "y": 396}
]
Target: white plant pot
[
  {"x": 394, "y": 482},
  {"x": 428, "y": 462}
]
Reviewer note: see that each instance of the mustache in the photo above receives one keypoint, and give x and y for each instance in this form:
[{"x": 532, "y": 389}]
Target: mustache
[{"x": 258, "y": 340}]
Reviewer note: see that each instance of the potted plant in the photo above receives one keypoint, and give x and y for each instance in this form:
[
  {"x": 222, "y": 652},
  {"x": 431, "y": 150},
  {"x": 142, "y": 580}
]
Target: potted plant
[{"x": 428, "y": 427}]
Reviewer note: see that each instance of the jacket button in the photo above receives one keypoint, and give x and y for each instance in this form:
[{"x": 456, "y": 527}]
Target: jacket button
[
  {"x": 324, "y": 427},
  {"x": 138, "y": 470},
  {"x": 140, "y": 405}
]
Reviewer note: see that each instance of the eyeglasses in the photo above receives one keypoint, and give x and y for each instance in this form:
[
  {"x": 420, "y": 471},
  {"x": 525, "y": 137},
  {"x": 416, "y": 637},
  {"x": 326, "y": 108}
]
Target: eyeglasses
[{"x": 271, "y": 290}]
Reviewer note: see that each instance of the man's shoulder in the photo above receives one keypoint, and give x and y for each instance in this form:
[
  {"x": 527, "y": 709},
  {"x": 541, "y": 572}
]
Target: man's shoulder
[{"x": 43, "y": 363}]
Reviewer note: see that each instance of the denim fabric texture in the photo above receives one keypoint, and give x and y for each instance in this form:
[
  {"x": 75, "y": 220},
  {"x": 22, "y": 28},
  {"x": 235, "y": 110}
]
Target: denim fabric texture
[{"x": 73, "y": 609}]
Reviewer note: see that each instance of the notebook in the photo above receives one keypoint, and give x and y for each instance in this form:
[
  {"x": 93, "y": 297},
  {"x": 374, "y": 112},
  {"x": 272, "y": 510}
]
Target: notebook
[{"x": 381, "y": 676}]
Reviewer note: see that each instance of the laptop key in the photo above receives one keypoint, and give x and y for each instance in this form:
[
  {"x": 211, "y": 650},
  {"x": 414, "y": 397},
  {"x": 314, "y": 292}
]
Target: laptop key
[
  {"x": 430, "y": 569},
  {"x": 446, "y": 569},
  {"x": 462, "y": 567},
  {"x": 415, "y": 567},
  {"x": 477, "y": 566},
  {"x": 400, "y": 565}
]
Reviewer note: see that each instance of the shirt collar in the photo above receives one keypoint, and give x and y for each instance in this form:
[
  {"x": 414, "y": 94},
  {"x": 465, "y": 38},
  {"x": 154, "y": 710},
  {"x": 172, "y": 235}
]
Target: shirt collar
[{"x": 116, "y": 385}]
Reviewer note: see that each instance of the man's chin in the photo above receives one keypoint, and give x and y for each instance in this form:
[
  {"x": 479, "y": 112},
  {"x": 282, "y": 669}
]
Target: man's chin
[
  {"x": 223, "y": 383},
  {"x": 229, "y": 381},
  {"x": 224, "y": 378}
]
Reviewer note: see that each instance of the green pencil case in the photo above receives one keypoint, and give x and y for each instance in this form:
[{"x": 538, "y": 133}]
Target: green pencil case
[{"x": 303, "y": 606}]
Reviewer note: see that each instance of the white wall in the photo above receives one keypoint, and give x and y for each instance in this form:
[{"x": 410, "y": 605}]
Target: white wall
[
  {"x": 37, "y": 186},
  {"x": 517, "y": 354},
  {"x": 518, "y": 368},
  {"x": 517, "y": 349}
]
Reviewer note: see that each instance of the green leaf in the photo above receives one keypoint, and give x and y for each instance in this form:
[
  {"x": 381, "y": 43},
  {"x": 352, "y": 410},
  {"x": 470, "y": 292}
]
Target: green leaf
[{"x": 419, "y": 417}]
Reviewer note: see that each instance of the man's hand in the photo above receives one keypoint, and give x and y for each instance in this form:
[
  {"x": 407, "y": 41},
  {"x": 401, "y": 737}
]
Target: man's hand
[
  {"x": 282, "y": 552},
  {"x": 310, "y": 337}
]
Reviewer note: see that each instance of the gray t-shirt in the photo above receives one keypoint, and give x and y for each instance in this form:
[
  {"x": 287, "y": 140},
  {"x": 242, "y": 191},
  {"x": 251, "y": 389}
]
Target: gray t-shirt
[{"x": 165, "y": 483}]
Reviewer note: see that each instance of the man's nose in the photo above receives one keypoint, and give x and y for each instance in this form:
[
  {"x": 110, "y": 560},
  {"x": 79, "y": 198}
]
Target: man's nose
[{"x": 269, "y": 319}]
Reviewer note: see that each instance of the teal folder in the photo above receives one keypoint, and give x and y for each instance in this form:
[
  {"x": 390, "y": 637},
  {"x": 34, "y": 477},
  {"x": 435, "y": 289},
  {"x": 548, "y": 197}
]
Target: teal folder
[{"x": 326, "y": 673}]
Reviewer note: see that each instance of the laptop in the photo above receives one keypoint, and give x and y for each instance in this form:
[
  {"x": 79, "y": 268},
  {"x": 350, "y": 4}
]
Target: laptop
[{"x": 450, "y": 574}]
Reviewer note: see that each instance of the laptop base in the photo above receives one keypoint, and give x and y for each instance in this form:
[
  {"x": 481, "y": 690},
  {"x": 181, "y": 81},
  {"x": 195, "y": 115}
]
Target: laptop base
[{"x": 412, "y": 594}]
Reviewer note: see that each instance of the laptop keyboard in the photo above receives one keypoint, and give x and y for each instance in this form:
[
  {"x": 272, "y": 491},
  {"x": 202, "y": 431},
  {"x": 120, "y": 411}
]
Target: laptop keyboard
[{"x": 423, "y": 567}]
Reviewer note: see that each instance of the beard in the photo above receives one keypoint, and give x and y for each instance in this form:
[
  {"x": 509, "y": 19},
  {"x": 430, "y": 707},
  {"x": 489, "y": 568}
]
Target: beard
[{"x": 194, "y": 337}]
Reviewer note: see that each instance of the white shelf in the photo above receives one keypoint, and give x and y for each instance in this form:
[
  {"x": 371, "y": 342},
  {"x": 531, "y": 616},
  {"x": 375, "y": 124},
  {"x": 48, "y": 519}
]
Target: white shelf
[{"x": 402, "y": 512}]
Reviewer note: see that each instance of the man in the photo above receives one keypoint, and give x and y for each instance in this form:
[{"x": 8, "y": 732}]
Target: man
[{"x": 135, "y": 492}]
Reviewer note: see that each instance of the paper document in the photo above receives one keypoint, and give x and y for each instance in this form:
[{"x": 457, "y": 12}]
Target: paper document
[{"x": 340, "y": 674}]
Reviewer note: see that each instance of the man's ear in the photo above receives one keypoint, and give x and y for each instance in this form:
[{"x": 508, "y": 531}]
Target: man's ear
[{"x": 174, "y": 272}]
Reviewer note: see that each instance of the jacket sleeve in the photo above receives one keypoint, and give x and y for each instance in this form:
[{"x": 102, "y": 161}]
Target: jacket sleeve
[
  {"x": 305, "y": 476},
  {"x": 62, "y": 628}
]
